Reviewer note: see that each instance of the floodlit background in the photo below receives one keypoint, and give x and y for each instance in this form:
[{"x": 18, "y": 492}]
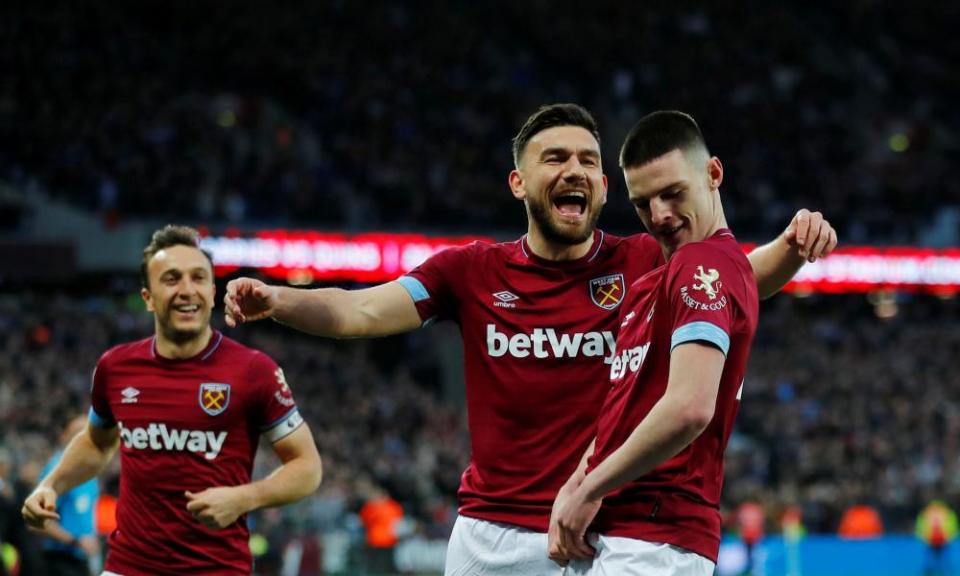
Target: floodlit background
[{"x": 340, "y": 143}]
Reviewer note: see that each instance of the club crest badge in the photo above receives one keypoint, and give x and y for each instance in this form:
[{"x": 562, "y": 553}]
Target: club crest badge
[
  {"x": 709, "y": 281},
  {"x": 607, "y": 292},
  {"x": 214, "y": 397}
]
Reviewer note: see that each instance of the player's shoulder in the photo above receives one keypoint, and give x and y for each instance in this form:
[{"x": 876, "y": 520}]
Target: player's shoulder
[
  {"x": 721, "y": 248},
  {"x": 126, "y": 351},
  {"x": 237, "y": 353},
  {"x": 639, "y": 241}
]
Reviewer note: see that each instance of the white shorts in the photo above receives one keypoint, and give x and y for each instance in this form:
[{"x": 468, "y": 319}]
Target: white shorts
[
  {"x": 618, "y": 556},
  {"x": 482, "y": 548}
]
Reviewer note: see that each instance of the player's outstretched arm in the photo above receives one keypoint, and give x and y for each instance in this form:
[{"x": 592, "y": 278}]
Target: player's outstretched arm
[
  {"x": 379, "y": 311},
  {"x": 84, "y": 457},
  {"x": 298, "y": 476},
  {"x": 676, "y": 420},
  {"x": 808, "y": 237}
]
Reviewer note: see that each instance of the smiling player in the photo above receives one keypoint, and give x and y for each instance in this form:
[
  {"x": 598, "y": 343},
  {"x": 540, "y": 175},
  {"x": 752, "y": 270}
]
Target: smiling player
[
  {"x": 187, "y": 408},
  {"x": 537, "y": 316}
]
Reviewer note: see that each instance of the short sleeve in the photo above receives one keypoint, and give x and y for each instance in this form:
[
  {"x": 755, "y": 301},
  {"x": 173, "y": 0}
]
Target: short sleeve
[
  {"x": 274, "y": 410},
  {"x": 699, "y": 284},
  {"x": 101, "y": 415},
  {"x": 431, "y": 284}
]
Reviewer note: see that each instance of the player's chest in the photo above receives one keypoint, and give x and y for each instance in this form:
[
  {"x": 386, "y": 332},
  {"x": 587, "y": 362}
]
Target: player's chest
[
  {"x": 637, "y": 342},
  {"x": 514, "y": 298},
  {"x": 202, "y": 399}
]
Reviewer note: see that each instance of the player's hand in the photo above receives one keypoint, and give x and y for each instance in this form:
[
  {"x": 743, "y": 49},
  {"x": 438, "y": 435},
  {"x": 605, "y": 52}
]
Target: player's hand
[
  {"x": 247, "y": 300},
  {"x": 573, "y": 517},
  {"x": 39, "y": 507},
  {"x": 217, "y": 508},
  {"x": 553, "y": 532},
  {"x": 811, "y": 235}
]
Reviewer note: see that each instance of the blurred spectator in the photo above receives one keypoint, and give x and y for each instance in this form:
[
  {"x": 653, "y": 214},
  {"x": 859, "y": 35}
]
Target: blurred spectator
[
  {"x": 381, "y": 516},
  {"x": 860, "y": 522},
  {"x": 71, "y": 546},
  {"x": 355, "y": 116},
  {"x": 937, "y": 528}
]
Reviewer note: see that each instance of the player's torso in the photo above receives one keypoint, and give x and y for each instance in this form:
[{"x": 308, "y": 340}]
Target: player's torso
[
  {"x": 173, "y": 416},
  {"x": 538, "y": 340}
]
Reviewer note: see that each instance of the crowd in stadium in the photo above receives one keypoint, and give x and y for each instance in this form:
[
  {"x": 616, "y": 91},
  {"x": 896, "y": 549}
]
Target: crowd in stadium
[
  {"x": 880, "y": 432},
  {"x": 336, "y": 115}
]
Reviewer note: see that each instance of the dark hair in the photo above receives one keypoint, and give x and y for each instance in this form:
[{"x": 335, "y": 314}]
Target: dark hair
[
  {"x": 659, "y": 133},
  {"x": 169, "y": 235},
  {"x": 550, "y": 116}
]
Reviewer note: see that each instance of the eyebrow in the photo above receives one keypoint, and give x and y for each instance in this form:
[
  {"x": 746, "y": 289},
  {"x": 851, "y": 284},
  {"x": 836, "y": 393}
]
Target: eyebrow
[
  {"x": 179, "y": 271},
  {"x": 561, "y": 150}
]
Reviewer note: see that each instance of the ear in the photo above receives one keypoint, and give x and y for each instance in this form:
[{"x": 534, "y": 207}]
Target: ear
[
  {"x": 147, "y": 299},
  {"x": 516, "y": 185},
  {"x": 714, "y": 173}
]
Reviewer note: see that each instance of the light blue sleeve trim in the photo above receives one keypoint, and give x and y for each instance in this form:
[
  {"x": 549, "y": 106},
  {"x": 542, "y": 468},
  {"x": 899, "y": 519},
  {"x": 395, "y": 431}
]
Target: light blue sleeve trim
[
  {"x": 99, "y": 421},
  {"x": 702, "y": 332},
  {"x": 414, "y": 287},
  {"x": 280, "y": 420}
]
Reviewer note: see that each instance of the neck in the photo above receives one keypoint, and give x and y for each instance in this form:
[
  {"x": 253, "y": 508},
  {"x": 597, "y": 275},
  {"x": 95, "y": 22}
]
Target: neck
[
  {"x": 180, "y": 350},
  {"x": 554, "y": 251}
]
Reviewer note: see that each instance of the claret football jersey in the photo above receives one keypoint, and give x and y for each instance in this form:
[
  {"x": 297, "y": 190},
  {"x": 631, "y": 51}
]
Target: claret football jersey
[
  {"x": 187, "y": 424},
  {"x": 538, "y": 338},
  {"x": 707, "y": 294}
]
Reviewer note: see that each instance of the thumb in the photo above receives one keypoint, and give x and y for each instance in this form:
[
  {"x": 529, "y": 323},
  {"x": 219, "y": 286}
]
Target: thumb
[
  {"x": 190, "y": 495},
  {"x": 262, "y": 292}
]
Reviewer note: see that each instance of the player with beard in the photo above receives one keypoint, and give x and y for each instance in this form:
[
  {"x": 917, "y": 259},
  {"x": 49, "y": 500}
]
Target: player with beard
[
  {"x": 537, "y": 316},
  {"x": 187, "y": 408}
]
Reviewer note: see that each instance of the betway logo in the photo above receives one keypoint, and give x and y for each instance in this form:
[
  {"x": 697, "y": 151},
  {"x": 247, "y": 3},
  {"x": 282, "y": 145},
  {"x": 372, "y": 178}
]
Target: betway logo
[
  {"x": 159, "y": 437},
  {"x": 546, "y": 343},
  {"x": 631, "y": 360}
]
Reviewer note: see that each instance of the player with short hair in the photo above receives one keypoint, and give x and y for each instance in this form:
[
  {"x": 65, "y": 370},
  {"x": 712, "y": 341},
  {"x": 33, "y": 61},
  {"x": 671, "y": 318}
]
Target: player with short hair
[
  {"x": 684, "y": 340},
  {"x": 537, "y": 316},
  {"x": 187, "y": 408}
]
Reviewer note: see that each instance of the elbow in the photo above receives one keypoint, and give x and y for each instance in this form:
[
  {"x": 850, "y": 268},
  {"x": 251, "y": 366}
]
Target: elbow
[
  {"x": 694, "y": 419},
  {"x": 317, "y": 475}
]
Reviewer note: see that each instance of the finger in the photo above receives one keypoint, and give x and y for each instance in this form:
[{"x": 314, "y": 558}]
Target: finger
[
  {"x": 833, "y": 242},
  {"x": 229, "y": 320},
  {"x": 582, "y": 550},
  {"x": 820, "y": 247},
  {"x": 803, "y": 224}
]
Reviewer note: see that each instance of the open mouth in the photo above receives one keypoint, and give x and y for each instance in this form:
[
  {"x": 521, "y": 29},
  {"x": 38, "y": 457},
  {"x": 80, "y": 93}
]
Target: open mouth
[
  {"x": 188, "y": 310},
  {"x": 571, "y": 204}
]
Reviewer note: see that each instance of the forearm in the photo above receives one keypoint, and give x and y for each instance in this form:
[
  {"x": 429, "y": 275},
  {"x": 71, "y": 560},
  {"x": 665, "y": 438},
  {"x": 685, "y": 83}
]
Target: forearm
[
  {"x": 379, "y": 311},
  {"x": 774, "y": 265},
  {"x": 581, "y": 472},
  {"x": 318, "y": 312},
  {"x": 660, "y": 436},
  {"x": 290, "y": 482},
  {"x": 82, "y": 460},
  {"x": 55, "y": 531}
]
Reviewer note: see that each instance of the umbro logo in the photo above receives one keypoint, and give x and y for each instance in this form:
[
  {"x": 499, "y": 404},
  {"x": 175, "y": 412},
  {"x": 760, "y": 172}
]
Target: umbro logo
[
  {"x": 129, "y": 395},
  {"x": 506, "y": 299}
]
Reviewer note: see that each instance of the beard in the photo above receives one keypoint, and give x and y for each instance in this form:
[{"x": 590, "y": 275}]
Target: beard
[
  {"x": 180, "y": 336},
  {"x": 557, "y": 233}
]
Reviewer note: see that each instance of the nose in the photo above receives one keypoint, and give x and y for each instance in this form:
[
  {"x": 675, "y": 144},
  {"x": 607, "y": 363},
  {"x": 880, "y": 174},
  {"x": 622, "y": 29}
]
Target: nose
[
  {"x": 660, "y": 213},
  {"x": 573, "y": 170}
]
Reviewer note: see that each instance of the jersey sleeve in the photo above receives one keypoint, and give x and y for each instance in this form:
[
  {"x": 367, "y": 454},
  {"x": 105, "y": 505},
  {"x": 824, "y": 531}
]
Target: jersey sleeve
[
  {"x": 101, "y": 415},
  {"x": 432, "y": 284},
  {"x": 700, "y": 286},
  {"x": 275, "y": 411}
]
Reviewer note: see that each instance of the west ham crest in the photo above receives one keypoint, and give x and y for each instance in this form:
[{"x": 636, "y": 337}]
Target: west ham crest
[
  {"x": 607, "y": 291},
  {"x": 214, "y": 397}
]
